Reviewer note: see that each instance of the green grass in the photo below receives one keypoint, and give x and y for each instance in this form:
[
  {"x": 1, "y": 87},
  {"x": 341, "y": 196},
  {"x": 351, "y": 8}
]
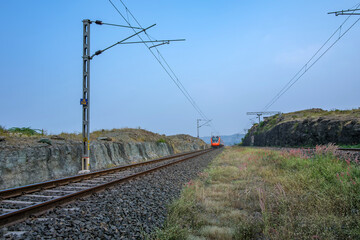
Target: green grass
[
  {"x": 161, "y": 140},
  {"x": 272, "y": 121},
  {"x": 253, "y": 193},
  {"x": 350, "y": 146},
  {"x": 24, "y": 131}
]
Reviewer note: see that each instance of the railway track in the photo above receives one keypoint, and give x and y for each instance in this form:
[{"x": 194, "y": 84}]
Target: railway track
[{"x": 20, "y": 203}]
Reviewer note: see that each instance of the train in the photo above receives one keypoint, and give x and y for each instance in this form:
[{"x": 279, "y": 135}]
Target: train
[{"x": 216, "y": 142}]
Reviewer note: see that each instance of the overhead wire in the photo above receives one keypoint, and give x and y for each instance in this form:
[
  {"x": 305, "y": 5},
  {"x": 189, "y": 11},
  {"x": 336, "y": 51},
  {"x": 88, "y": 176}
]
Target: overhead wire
[
  {"x": 305, "y": 68},
  {"x": 314, "y": 62},
  {"x": 160, "y": 57}
]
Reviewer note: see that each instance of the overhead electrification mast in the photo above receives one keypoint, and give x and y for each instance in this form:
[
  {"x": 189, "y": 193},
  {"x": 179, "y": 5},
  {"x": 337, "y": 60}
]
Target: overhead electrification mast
[
  {"x": 262, "y": 113},
  {"x": 85, "y": 101},
  {"x": 198, "y": 126},
  {"x": 346, "y": 12}
]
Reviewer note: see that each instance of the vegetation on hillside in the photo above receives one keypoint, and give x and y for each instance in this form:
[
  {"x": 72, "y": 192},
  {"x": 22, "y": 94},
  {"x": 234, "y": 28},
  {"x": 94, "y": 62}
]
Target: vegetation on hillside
[
  {"x": 272, "y": 121},
  {"x": 320, "y": 126},
  {"x": 24, "y": 131},
  {"x": 123, "y": 134},
  {"x": 29, "y": 136},
  {"x": 3, "y": 130},
  {"x": 262, "y": 194},
  {"x": 318, "y": 112}
]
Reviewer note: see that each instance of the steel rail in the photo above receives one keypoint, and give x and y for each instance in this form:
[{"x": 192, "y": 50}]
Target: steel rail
[
  {"x": 38, "y": 209},
  {"x": 18, "y": 191}
]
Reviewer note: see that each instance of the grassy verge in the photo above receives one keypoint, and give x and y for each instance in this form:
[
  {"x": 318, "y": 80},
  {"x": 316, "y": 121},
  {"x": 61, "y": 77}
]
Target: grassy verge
[
  {"x": 262, "y": 194},
  {"x": 350, "y": 146}
]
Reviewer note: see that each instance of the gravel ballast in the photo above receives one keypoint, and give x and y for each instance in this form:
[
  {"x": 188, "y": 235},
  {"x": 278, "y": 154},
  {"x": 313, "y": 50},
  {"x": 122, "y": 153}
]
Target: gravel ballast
[{"x": 127, "y": 211}]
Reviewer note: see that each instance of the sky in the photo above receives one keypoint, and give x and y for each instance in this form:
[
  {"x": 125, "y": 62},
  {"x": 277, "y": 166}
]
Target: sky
[{"x": 236, "y": 57}]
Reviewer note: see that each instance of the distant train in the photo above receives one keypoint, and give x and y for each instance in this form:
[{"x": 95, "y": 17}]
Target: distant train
[{"x": 216, "y": 142}]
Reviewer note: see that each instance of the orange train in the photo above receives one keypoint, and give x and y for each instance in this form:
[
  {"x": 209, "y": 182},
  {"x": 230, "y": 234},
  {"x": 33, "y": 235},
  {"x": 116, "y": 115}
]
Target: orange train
[{"x": 216, "y": 142}]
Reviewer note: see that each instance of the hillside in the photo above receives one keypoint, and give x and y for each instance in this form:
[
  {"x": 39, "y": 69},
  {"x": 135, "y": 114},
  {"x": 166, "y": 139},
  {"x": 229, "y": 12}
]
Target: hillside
[
  {"x": 29, "y": 138},
  {"x": 228, "y": 140},
  {"x": 26, "y": 158},
  {"x": 307, "y": 128}
]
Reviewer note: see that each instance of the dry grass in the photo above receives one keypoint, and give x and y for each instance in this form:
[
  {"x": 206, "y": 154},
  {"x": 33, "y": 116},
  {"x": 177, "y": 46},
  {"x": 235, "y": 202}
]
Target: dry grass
[
  {"x": 250, "y": 194},
  {"x": 347, "y": 116},
  {"x": 318, "y": 112},
  {"x": 178, "y": 142}
]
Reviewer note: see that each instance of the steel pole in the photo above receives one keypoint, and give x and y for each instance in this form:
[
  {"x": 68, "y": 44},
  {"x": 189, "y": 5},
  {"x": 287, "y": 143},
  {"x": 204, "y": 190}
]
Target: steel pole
[{"x": 85, "y": 161}]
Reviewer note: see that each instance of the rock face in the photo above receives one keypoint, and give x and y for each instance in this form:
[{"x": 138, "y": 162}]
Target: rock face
[
  {"x": 21, "y": 165},
  {"x": 183, "y": 142},
  {"x": 307, "y": 128}
]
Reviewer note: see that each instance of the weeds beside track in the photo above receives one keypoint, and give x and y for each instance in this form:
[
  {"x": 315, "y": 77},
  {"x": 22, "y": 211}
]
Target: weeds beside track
[{"x": 256, "y": 193}]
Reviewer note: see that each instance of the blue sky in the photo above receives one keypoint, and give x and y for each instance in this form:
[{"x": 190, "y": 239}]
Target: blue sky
[{"x": 236, "y": 57}]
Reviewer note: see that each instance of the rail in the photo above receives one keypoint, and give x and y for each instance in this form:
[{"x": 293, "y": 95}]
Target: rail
[{"x": 17, "y": 215}]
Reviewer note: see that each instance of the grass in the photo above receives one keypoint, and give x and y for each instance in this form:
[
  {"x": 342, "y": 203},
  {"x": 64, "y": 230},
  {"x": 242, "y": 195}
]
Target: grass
[
  {"x": 272, "y": 121},
  {"x": 318, "y": 112},
  {"x": 252, "y": 193},
  {"x": 161, "y": 140},
  {"x": 21, "y": 132},
  {"x": 350, "y": 146},
  {"x": 27, "y": 131}
]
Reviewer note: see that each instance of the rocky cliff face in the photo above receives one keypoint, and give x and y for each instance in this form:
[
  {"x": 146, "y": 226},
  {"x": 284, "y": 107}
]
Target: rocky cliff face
[
  {"x": 22, "y": 164},
  {"x": 307, "y": 128}
]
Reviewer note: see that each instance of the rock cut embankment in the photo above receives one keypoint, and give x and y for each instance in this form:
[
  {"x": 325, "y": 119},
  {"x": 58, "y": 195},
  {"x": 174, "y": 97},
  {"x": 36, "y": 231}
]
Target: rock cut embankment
[
  {"x": 307, "y": 128},
  {"x": 26, "y": 161}
]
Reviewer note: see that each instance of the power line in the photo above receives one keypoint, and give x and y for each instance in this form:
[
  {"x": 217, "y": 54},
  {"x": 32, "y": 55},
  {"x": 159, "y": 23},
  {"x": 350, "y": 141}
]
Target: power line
[
  {"x": 305, "y": 68},
  {"x": 161, "y": 60}
]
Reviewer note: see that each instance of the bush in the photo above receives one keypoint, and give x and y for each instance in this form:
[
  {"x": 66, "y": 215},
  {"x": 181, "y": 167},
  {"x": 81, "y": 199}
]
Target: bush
[
  {"x": 2, "y": 130},
  {"x": 24, "y": 131},
  {"x": 161, "y": 140}
]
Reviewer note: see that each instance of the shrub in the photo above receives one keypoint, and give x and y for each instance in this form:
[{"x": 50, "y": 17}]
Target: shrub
[
  {"x": 161, "y": 140},
  {"x": 2, "y": 130},
  {"x": 24, "y": 131}
]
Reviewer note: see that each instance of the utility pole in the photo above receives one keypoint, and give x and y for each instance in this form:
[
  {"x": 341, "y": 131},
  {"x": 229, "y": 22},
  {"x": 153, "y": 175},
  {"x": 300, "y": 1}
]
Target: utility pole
[
  {"x": 85, "y": 101},
  {"x": 259, "y": 114},
  {"x": 198, "y": 126}
]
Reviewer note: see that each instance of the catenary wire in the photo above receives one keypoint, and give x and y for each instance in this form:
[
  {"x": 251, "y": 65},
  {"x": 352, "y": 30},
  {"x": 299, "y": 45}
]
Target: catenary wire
[
  {"x": 305, "y": 68},
  {"x": 169, "y": 71},
  {"x": 317, "y": 60},
  {"x": 161, "y": 56},
  {"x": 155, "y": 56}
]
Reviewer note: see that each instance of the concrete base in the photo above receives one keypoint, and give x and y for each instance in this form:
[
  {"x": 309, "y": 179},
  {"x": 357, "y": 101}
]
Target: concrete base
[{"x": 84, "y": 171}]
